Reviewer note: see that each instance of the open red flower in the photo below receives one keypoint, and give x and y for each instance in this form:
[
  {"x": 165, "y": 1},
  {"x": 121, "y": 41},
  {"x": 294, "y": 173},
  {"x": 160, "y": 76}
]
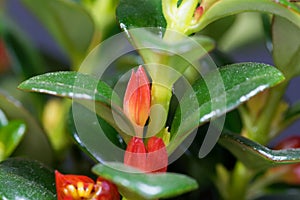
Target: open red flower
[
  {"x": 136, "y": 102},
  {"x": 77, "y": 187},
  {"x": 154, "y": 158}
]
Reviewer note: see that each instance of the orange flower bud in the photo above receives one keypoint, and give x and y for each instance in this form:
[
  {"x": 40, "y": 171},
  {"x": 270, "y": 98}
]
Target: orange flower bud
[
  {"x": 77, "y": 187},
  {"x": 136, "y": 103}
]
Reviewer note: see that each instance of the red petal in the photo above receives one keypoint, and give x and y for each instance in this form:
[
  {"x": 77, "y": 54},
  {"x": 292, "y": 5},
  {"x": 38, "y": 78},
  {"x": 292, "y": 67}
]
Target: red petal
[
  {"x": 63, "y": 180},
  {"x": 109, "y": 190},
  {"x": 157, "y": 157},
  {"x": 135, "y": 154},
  {"x": 137, "y": 97}
]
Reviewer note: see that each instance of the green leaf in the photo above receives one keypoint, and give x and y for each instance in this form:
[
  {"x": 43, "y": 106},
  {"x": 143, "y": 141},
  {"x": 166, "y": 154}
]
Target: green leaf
[
  {"x": 86, "y": 89},
  {"x": 70, "y": 25},
  {"x": 24, "y": 57},
  {"x": 140, "y": 13},
  {"x": 286, "y": 47},
  {"x": 95, "y": 137},
  {"x": 140, "y": 186},
  {"x": 10, "y": 137},
  {"x": 34, "y": 144},
  {"x": 256, "y": 156},
  {"x": 225, "y": 8},
  {"x": 218, "y": 92},
  {"x": 3, "y": 119},
  {"x": 69, "y": 84},
  {"x": 25, "y": 179}
]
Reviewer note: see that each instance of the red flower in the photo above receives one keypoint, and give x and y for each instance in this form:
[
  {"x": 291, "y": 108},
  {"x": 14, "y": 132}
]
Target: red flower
[
  {"x": 157, "y": 157},
  {"x": 291, "y": 173},
  {"x": 77, "y": 187},
  {"x": 152, "y": 159},
  {"x": 136, "y": 103},
  {"x": 135, "y": 154}
]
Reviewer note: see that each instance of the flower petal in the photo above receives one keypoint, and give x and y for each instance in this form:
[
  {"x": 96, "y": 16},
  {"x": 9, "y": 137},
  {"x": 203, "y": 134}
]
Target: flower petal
[
  {"x": 157, "y": 157},
  {"x": 135, "y": 154},
  {"x": 136, "y": 102},
  {"x": 109, "y": 191},
  {"x": 63, "y": 181}
]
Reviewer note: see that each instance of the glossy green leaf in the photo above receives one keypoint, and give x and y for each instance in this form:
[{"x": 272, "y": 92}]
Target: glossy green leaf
[
  {"x": 85, "y": 88},
  {"x": 225, "y": 8},
  {"x": 10, "y": 137},
  {"x": 140, "y": 13},
  {"x": 69, "y": 84},
  {"x": 141, "y": 186},
  {"x": 96, "y": 137},
  {"x": 219, "y": 92},
  {"x": 25, "y": 179},
  {"x": 69, "y": 23},
  {"x": 34, "y": 144},
  {"x": 256, "y": 156},
  {"x": 3, "y": 119},
  {"x": 286, "y": 46}
]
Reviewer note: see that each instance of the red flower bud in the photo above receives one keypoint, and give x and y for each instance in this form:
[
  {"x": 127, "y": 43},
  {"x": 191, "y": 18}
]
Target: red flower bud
[
  {"x": 136, "y": 103},
  {"x": 155, "y": 159},
  {"x": 77, "y": 187},
  {"x": 135, "y": 154}
]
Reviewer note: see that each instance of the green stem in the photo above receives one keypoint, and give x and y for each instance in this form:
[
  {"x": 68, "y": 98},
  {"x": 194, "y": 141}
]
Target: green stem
[
  {"x": 264, "y": 123},
  {"x": 172, "y": 35},
  {"x": 247, "y": 119},
  {"x": 160, "y": 102}
]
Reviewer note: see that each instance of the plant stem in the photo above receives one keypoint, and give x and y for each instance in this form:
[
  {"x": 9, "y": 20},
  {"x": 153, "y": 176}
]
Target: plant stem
[
  {"x": 160, "y": 102},
  {"x": 264, "y": 123}
]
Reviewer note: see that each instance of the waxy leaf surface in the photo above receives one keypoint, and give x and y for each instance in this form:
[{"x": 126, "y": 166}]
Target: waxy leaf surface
[
  {"x": 140, "y": 186},
  {"x": 26, "y": 179},
  {"x": 218, "y": 92},
  {"x": 256, "y": 156}
]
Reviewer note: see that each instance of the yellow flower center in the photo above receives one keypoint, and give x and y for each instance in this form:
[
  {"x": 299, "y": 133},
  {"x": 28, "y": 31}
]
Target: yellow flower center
[{"x": 80, "y": 192}]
